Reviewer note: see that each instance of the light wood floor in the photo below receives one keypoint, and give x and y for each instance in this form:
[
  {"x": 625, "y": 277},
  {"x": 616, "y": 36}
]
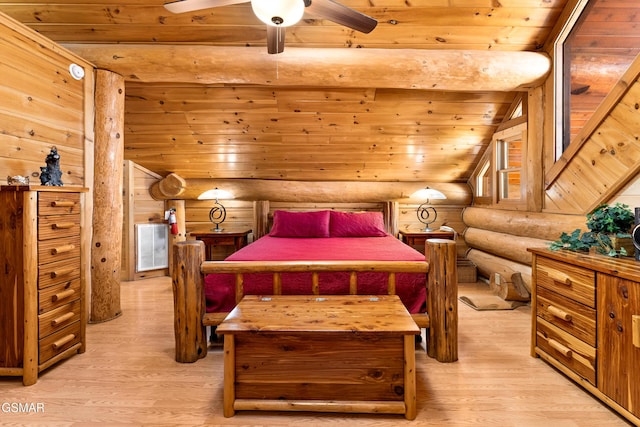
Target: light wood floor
[{"x": 128, "y": 376}]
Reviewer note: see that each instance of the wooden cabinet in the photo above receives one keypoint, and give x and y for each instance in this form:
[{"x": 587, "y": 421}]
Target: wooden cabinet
[
  {"x": 619, "y": 321},
  {"x": 418, "y": 239},
  {"x": 42, "y": 284},
  {"x": 586, "y": 323},
  {"x": 234, "y": 239}
]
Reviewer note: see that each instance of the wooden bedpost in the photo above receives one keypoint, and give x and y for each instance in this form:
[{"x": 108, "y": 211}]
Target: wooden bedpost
[
  {"x": 188, "y": 301},
  {"x": 442, "y": 300}
]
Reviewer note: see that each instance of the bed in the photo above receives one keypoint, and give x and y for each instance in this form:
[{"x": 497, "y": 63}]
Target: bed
[{"x": 317, "y": 253}]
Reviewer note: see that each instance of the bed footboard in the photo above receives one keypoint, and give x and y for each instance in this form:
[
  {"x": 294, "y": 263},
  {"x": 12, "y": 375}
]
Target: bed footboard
[{"x": 191, "y": 319}]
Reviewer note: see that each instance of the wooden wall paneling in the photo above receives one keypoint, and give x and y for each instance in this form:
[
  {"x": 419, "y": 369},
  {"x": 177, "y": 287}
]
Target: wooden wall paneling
[
  {"x": 106, "y": 252},
  {"x": 630, "y": 195},
  {"x": 41, "y": 105},
  {"x": 239, "y": 214},
  {"x": 146, "y": 208},
  {"x": 294, "y": 133},
  {"x": 139, "y": 208},
  {"x": 605, "y": 157}
]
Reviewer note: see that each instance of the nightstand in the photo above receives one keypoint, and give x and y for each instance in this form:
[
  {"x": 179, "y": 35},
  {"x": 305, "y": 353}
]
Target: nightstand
[
  {"x": 212, "y": 239},
  {"x": 417, "y": 239}
]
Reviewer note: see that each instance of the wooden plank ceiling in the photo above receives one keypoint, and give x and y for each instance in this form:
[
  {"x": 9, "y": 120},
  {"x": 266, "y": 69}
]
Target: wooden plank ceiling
[{"x": 308, "y": 131}]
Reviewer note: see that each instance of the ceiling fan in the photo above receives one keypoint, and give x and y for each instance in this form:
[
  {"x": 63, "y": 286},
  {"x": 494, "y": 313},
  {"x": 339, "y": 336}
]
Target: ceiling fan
[{"x": 278, "y": 14}]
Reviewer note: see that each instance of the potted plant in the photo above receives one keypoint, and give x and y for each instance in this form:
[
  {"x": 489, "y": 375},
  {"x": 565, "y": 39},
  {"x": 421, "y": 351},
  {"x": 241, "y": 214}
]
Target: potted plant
[{"x": 610, "y": 228}]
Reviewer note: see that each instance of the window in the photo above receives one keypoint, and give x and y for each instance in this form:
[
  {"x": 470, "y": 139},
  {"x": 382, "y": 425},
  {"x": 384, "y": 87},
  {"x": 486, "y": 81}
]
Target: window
[
  {"x": 483, "y": 180},
  {"x": 596, "y": 47},
  {"x": 508, "y": 167}
]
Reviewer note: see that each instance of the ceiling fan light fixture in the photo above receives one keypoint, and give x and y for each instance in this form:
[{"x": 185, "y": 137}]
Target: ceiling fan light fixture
[{"x": 278, "y": 13}]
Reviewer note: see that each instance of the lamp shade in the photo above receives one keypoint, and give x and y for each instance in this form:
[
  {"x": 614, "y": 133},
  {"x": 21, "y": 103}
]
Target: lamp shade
[
  {"x": 278, "y": 13},
  {"x": 215, "y": 194},
  {"x": 429, "y": 194}
]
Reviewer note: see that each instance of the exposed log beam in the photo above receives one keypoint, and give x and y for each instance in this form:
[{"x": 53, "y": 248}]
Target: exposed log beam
[
  {"x": 460, "y": 70},
  {"x": 175, "y": 187}
]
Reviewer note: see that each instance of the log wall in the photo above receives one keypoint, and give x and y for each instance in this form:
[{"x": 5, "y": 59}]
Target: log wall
[
  {"x": 498, "y": 239},
  {"x": 602, "y": 167}
]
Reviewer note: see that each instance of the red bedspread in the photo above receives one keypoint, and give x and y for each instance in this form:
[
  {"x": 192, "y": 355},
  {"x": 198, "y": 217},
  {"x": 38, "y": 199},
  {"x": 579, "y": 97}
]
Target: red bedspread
[{"x": 220, "y": 288}]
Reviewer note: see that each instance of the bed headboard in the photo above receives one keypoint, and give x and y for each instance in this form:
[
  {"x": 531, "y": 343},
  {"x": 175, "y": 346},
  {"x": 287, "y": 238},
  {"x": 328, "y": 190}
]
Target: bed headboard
[{"x": 266, "y": 209}]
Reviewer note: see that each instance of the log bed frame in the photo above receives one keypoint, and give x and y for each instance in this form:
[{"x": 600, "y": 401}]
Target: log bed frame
[{"x": 190, "y": 318}]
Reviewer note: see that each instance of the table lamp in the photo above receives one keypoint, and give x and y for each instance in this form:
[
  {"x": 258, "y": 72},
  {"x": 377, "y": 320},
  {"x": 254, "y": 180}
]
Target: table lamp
[
  {"x": 218, "y": 213},
  {"x": 427, "y": 214}
]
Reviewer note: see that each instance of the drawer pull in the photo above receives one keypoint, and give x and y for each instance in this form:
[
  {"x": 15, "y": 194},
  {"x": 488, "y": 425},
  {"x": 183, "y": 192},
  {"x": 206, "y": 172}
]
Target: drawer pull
[
  {"x": 62, "y": 341},
  {"x": 635, "y": 329},
  {"x": 61, "y": 272},
  {"x": 62, "y": 249},
  {"x": 564, "y": 350},
  {"x": 559, "y": 277},
  {"x": 60, "y": 320},
  {"x": 560, "y": 314},
  {"x": 62, "y": 295},
  {"x": 62, "y": 204},
  {"x": 62, "y": 225}
]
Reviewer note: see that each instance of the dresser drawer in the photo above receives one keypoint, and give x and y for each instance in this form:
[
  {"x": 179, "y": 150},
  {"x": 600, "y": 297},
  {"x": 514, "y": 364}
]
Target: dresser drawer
[
  {"x": 568, "y": 315},
  {"x": 58, "y": 203},
  {"x": 57, "y": 226},
  {"x": 58, "y": 272},
  {"x": 58, "y": 249},
  {"x": 575, "y": 354},
  {"x": 573, "y": 282},
  {"x": 58, "y": 295},
  {"x": 59, "y": 318},
  {"x": 58, "y": 342}
]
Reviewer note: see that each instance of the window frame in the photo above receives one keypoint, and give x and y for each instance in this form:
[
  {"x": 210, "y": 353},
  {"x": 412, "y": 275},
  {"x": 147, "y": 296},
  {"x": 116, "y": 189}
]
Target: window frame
[{"x": 515, "y": 125}]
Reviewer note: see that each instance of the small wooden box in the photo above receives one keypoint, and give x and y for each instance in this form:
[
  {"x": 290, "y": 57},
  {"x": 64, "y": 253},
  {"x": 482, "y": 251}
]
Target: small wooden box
[{"x": 467, "y": 271}]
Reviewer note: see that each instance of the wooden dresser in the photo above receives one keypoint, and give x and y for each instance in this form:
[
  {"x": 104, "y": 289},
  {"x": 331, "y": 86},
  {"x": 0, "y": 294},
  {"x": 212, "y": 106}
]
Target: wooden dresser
[
  {"x": 42, "y": 316},
  {"x": 586, "y": 323}
]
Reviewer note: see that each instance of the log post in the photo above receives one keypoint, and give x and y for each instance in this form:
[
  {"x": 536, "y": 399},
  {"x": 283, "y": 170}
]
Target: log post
[
  {"x": 188, "y": 301},
  {"x": 106, "y": 248},
  {"x": 442, "y": 300},
  {"x": 391, "y": 209},
  {"x": 260, "y": 218}
]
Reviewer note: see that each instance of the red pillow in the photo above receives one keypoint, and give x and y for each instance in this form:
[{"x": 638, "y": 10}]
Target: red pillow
[
  {"x": 356, "y": 224},
  {"x": 300, "y": 224}
]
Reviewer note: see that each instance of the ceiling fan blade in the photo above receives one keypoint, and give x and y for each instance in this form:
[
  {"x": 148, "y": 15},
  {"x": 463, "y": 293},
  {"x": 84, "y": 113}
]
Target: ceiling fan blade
[
  {"x": 341, "y": 14},
  {"x": 181, "y": 6},
  {"x": 275, "y": 39}
]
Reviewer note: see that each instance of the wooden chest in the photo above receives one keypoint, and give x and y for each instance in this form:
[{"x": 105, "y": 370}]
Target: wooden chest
[
  {"x": 332, "y": 354},
  {"x": 44, "y": 320}
]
